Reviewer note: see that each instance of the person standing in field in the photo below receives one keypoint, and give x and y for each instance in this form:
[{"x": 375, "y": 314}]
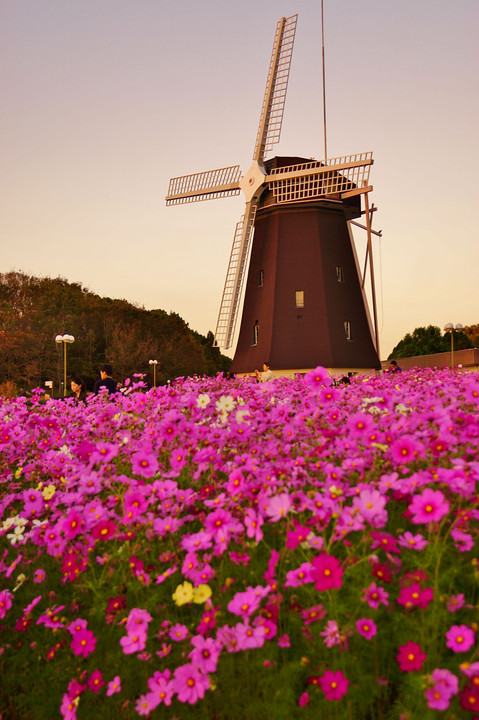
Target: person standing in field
[{"x": 106, "y": 380}]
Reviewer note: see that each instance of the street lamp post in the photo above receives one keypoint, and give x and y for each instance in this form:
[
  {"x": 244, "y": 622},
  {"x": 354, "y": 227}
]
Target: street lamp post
[
  {"x": 154, "y": 363},
  {"x": 449, "y": 327},
  {"x": 65, "y": 339}
]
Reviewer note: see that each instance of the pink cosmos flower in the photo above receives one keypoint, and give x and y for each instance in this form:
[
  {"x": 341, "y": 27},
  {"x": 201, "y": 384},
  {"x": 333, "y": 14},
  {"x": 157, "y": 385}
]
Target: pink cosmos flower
[
  {"x": 39, "y": 575},
  {"x": 303, "y": 699},
  {"x": 248, "y": 637},
  {"x": 385, "y": 541},
  {"x": 469, "y": 698},
  {"x": 370, "y": 504},
  {"x": 313, "y": 614},
  {"x": 134, "y": 504},
  {"x": 133, "y": 643},
  {"x": 359, "y": 424},
  {"x": 75, "y": 626},
  {"x": 366, "y": 627},
  {"x": 333, "y": 684},
  {"x": 138, "y": 619},
  {"x": 270, "y": 573},
  {"x": 205, "y": 654},
  {"x": 316, "y": 379},
  {"x": 413, "y": 542},
  {"x": 5, "y": 602},
  {"x": 95, "y": 681},
  {"x": 144, "y": 464},
  {"x": 68, "y": 707},
  {"x": 218, "y": 524},
  {"x": 331, "y": 634},
  {"x": 244, "y": 603},
  {"x": 189, "y": 684},
  {"x": 429, "y": 506},
  {"x": 438, "y": 698},
  {"x": 83, "y": 642},
  {"x": 278, "y": 506},
  {"x": 146, "y": 704},
  {"x": 104, "y": 530},
  {"x": 404, "y": 449},
  {"x": 296, "y": 536},
  {"x": 446, "y": 679},
  {"x": 300, "y": 576},
  {"x": 374, "y": 595},
  {"x": 72, "y": 525},
  {"x": 178, "y": 632},
  {"x": 462, "y": 541},
  {"x": 455, "y": 602},
  {"x": 114, "y": 686},
  {"x": 104, "y": 452},
  {"x": 327, "y": 572},
  {"x": 470, "y": 670},
  {"x": 414, "y": 596},
  {"x": 161, "y": 687},
  {"x": 410, "y": 657},
  {"x": 460, "y": 638},
  {"x": 284, "y": 641}
]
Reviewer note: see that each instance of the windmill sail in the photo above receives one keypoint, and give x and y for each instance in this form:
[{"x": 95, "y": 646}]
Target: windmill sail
[
  {"x": 204, "y": 186},
  {"x": 228, "y": 314},
  {"x": 271, "y": 119}
]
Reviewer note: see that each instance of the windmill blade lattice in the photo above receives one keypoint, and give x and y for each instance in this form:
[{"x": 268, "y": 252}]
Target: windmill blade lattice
[
  {"x": 341, "y": 176},
  {"x": 271, "y": 118},
  {"x": 234, "y": 279},
  {"x": 222, "y": 182}
]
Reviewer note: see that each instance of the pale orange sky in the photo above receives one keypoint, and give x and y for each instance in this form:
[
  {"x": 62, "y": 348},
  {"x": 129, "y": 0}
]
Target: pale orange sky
[{"x": 105, "y": 100}]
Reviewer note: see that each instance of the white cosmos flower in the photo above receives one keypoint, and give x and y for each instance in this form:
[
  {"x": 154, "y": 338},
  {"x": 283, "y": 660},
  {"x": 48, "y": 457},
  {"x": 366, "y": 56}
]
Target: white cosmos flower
[
  {"x": 225, "y": 404},
  {"x": 242, "y": 415},
  {"x": 203, "y": 400}
]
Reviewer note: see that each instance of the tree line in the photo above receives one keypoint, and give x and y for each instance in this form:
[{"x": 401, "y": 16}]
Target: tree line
[
  {"x": 429, "y": 340},
  {"x": 33, "y": 311}
]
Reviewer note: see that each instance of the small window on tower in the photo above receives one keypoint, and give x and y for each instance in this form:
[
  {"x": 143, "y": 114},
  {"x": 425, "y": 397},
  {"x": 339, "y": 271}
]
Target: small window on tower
[
  {"x": 254, "y": 339},
  {"x": 339, "y": 273},
  {"x": 347, "y": 329},
  {"x": 261, "y": 278},
  {"x": 299, "y": 298}
]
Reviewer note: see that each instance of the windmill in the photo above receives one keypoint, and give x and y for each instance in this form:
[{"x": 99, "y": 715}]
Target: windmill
[{"x": 305, "y": 300}]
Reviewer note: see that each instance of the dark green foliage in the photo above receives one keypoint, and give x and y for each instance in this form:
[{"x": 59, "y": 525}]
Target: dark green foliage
[
  {"x": 34, "y": 310},
  {"x": 429, "y": 340}
]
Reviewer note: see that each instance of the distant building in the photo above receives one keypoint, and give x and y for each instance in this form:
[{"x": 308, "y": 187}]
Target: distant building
[{"x": 467, "y": 359}]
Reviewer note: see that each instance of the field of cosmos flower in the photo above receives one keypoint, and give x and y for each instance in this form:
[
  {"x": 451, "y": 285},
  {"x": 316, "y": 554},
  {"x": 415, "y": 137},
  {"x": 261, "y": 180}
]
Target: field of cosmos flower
[{"x": 226, "y": 550}]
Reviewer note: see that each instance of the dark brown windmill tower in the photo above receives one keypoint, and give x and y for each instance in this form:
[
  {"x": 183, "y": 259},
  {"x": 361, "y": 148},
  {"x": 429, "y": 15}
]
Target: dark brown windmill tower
[{"x": 305, "y": 300}]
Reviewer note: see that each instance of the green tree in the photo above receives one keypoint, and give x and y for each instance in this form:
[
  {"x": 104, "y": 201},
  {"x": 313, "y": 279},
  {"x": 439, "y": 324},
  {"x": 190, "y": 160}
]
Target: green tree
[
  {"x": 34, "y": 310},
  {"x": 472, "y": 332},
  {"x": 427, "y": 341}
]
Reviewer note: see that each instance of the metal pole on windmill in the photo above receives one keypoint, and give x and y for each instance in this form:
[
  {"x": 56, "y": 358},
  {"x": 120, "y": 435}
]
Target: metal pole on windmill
[{"x": 324, "y": 83}]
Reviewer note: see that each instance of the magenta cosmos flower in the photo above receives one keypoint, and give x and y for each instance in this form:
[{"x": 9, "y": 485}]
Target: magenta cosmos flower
[
  {"x": 144, "y": 464},
  {"x": 333, "y": 684},
  {"x": 189, "y": 683},
  {"x": 366, "y": 627},
  {"x": 410, "y": 657},
  {"x": 83, "y": 642},
  {"x": 428, "y": 507},
  {"x": 5, "y": 602},
  {"x": 327, "y": 572},
  {"x": 317, "y": 378},
  {"x": 460, "y": 638}
]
